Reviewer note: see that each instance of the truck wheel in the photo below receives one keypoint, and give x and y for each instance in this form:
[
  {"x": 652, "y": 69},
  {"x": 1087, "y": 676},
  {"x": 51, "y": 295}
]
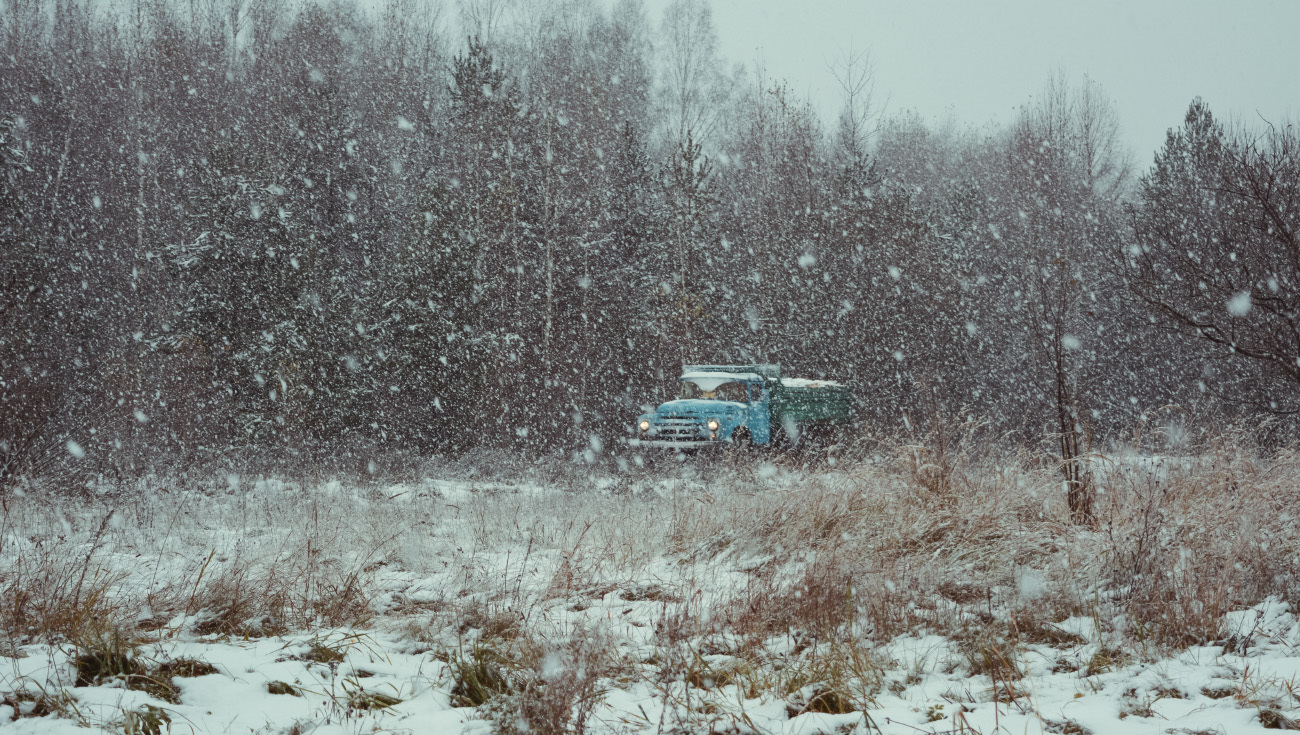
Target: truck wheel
[
  {"x": 814, "y": 438},
  {"x": 785, "y": 442},
  {"x": 742, "y": 442}
]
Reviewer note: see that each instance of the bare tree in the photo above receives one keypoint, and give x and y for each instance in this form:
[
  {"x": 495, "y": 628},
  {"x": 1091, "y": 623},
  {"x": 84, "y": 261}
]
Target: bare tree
[
  {"x": 693, "y": 87},
  {"x": 235, "y": 25},
  {"x": 1107, "y": 165},
  {"x": 483, "y": 18},
  {"x": 1065, "y": 169},
  {"x": 688, "y": 192},
  {"x": 22, "y": 22},
  {"x": 1216, "y": 252},
  {"x": 857, "y": 123}
]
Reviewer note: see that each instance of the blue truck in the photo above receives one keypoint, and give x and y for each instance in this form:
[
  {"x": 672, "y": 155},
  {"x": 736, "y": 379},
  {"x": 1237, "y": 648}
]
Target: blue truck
[{"x": 744, "y": 405}]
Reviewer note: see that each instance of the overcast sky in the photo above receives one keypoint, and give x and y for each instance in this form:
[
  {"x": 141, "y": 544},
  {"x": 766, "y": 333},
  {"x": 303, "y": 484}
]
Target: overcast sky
[{"x": 979, "y": 59}]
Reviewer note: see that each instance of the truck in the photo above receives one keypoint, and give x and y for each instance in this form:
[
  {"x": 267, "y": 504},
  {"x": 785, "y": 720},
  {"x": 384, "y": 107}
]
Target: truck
[{"x": 744, "y": 406}]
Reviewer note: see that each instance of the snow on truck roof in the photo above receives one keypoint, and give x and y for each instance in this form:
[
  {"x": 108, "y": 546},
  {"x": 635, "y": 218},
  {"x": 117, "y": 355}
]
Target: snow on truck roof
[
  {"x": 695, "y": 376},
  {"x": 809, "y": 383},
  {"x": 710, "y": 380},
  {"x": 767, "y": 370}
]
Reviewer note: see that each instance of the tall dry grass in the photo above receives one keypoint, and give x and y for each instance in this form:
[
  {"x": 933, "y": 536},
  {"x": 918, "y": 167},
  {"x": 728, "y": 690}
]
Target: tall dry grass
[
  {"x": 273, "y": 556},
  {"x": 961, "y": 540}
]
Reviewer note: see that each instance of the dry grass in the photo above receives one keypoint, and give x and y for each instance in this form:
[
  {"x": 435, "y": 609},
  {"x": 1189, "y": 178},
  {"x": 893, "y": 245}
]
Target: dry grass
[
  {"x": 961, "y": 540},
  {"x": 142, "y": 558},
  {"x": 558, "y": 692}
]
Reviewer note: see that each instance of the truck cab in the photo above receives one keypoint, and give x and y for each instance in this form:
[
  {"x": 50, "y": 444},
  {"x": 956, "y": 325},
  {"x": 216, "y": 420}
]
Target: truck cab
[{"x": 740, "y": 404}]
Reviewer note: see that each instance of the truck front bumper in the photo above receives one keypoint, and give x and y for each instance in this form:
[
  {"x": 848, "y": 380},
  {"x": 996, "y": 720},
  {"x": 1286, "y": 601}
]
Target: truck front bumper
[{"x": 674, "y": 444}]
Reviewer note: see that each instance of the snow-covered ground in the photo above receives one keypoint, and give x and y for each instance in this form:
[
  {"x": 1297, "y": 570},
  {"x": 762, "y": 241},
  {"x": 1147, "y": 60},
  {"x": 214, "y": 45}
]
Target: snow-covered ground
[
  {"x": 923, "y": 685},
  {"x": 750, "y": 598}
]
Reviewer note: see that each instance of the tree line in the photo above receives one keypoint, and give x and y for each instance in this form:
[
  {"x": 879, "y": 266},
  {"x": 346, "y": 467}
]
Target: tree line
[{"x": 250, "y": 226}]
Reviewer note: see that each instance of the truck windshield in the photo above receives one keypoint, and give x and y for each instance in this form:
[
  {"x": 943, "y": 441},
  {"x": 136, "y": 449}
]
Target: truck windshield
[{"x": 725, "y": 392}]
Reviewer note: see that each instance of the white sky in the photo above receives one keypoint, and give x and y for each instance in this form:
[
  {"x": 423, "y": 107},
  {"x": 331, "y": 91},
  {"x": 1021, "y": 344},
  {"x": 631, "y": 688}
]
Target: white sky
[{"x": 979, "y": 59}]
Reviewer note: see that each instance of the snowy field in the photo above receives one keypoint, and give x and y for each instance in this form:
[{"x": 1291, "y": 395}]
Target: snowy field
[{"x": 737, "y": 597}]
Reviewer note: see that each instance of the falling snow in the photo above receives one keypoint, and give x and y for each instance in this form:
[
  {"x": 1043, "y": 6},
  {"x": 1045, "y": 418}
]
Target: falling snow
[{"x": 348, "y": 243}]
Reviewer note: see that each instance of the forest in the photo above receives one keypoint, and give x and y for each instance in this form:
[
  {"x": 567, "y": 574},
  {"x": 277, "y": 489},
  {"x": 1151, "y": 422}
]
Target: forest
[{"x": 331, "y": 229}]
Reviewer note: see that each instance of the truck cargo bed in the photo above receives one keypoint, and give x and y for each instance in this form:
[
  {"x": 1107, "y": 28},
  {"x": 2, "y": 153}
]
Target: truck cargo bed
[{"x": 811, "y": 401}]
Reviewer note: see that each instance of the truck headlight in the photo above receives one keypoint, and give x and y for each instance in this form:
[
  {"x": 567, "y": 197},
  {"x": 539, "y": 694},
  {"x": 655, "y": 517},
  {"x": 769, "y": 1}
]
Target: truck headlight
[
  {"x": 645, "y": 425},
  {"x": 713, "y": 424}
]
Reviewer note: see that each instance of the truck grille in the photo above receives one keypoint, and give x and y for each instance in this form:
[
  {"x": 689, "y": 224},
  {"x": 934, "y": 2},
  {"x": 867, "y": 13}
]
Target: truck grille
[{"x": 677, "y": 428}]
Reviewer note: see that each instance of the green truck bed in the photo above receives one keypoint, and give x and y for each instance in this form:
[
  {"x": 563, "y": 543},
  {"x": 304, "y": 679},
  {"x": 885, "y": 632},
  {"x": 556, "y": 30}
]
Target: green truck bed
[{"x": 810, "y": 401}]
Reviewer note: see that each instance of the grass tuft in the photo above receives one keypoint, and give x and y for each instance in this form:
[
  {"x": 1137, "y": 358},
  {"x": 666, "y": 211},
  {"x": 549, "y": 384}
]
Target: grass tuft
[
  {"x": 558, "y": 692},
  {"x": 365, "y": 701},
  {"x": 103, "y": 655},
  {"x": 479, "y": 676},
  {"x": 1106, "y": 659},
  {"x": 1271, "y": 719},
  {"x": 280, "y": 687},
  {"x": 147, "y": 720},
  {"x": 323, "y": 653},
  {"x": 26, "y": 703},
  {"x": 821, "y": 698}
]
